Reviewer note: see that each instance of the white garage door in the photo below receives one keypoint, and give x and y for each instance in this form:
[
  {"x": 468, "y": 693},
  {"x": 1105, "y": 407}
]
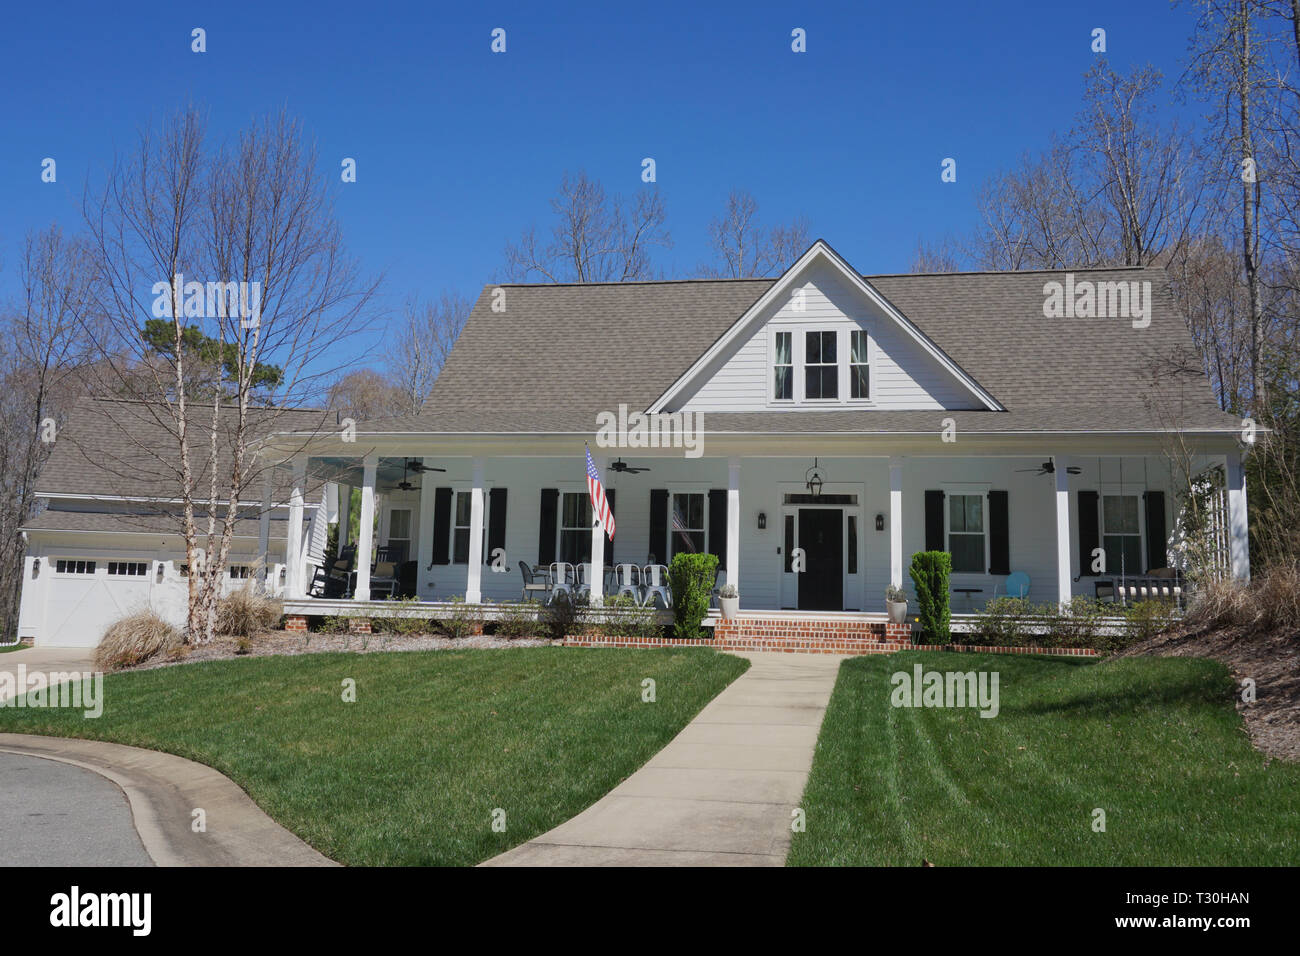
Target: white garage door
[{"x": 83, "y": 598}]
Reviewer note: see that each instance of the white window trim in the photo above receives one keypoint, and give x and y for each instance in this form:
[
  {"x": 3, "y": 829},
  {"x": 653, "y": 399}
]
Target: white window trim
[
  {"x": 974, "y": 489},
  {"x": 798, "y": 353},
  {"x": 457, "y": 487},
  {"x": 567, "y": 488},
  {"x": 1112, "y": 490}
]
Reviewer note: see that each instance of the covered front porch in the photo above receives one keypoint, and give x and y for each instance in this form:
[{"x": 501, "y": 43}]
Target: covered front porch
[{"x": 801, "y": 524}]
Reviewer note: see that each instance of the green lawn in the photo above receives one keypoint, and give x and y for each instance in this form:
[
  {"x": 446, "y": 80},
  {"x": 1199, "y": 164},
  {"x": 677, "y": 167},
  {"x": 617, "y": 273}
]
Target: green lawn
[
  {"x": 1155, "y": 743},
  {"x": 411, "y": 773}
]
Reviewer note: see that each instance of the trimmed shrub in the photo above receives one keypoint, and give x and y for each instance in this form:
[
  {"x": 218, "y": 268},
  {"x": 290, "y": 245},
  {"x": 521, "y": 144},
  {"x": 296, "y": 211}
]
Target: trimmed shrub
[
  {"x": 247, "y": 612},
  {"x": 516, "y": 619},
  {"x": 464, "y": 619},
  {"x": 134, "y": 639},
  {"x": 1007, "y": 622},
  {"x": 563, "y": 618},
  {"x": 1146, "y": 619},
  {"x": 629, "y": 619},
  {"x": 406, "y": 622},
  {"x": 691, "y": 578},
  {"x": 931, "y": 571}
]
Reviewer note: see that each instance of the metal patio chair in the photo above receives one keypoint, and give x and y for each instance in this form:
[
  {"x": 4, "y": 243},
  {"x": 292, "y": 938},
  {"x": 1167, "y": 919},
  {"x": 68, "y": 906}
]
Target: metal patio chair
[{"x": 654, "y": 584}]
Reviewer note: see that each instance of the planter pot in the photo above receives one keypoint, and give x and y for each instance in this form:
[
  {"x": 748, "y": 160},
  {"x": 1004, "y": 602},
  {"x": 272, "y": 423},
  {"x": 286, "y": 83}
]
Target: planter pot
[
  {"x": 730, "y": 607},
  {"x": 897, "y": 611}
]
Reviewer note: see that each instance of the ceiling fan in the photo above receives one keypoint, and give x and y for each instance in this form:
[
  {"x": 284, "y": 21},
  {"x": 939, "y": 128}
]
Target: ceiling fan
[
  {"x": 413, "y": 466},
  {"x": 621, "y": 466},
  {"x": 418, "y": 467},
  {"x": 404, "y": 484},
  {"x": 1049, "y": 468}
]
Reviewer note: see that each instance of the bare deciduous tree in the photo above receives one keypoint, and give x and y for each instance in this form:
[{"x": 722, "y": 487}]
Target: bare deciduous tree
[
  {"x": 595, "y": 237},
  {"x": 236, "y": 250},
  {"x": 423, "y": 341},
  {"x": 45, "y": 358},
  {"x": 743, "y": 247}
]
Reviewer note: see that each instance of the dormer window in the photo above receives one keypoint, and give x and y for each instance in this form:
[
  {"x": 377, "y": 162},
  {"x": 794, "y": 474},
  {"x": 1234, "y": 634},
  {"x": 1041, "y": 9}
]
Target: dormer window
[
  {"x": 820, "y": 365},
  {"x": 783, "y": 367},
  {"x": 859, "y": 365},
  {"x": 821, "y": 368}
]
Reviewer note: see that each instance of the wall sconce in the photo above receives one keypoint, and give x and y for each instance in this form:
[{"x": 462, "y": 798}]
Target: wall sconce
[
  {"x": 36, "y": 568},
  {"x": 762, "y": 521},
  {"x": 159, "y": 574},
  {"x": 880, "y": 522}
]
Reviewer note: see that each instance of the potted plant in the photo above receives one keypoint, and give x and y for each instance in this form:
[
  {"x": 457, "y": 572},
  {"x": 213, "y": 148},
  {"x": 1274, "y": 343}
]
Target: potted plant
[
  {"x": 896, "y": 604},
  {"x": 729, "y": 600}
]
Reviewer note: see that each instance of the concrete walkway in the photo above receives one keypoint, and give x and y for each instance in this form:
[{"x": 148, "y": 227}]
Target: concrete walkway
[
  {"x": 164, "y": 790},
  {"x": 45, "y": 659},
  {"x": 721, "y": 793}
]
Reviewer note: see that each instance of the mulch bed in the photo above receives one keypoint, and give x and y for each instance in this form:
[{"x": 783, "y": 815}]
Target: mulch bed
[
  {"x": 1271, "y": 659},
  {"x": 284, "y": 643}
]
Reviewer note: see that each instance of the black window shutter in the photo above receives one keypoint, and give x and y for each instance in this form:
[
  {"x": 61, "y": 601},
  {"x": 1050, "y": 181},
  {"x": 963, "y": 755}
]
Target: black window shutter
[
  {"x": 442, "y": 526},
  {"x": 934, "y": 521},
  {"x": 1157, "y": 556},
  {"x": 718, "y": 525},
  {"x": 546, "y": 526},
  {"x": 609, "y": 544},
  {"x": 496, "y": 522},
  {"x": 659, "y": 525},
  {"x": 1089, "y": 533},
  {"x": 999, "y": 534}
]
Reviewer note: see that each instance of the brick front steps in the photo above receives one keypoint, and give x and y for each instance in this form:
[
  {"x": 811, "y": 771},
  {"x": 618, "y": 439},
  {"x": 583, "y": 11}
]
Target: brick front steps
[{"x": 816, "y": 636}]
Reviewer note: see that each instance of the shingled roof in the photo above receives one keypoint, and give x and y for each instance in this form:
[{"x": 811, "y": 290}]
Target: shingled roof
[
  {"x": 559, "y": 354},
  {"x": 129, "y": 449}
]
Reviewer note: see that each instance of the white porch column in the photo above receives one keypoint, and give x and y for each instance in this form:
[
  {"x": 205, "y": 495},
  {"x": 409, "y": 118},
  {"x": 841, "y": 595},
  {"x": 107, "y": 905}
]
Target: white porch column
[
  {"x": 1238, "y": 528},
  {"x": 474, "y": 579},
  {"x": 345, "y": 517},
  {"x": 1063, "y": 591},
  {"x": 896, "y": 522},
  {"x": 733, "y": 522},
  {"x": 597, "y": 582},
  {"x": 293, "y": 537},
  {"x": 366, "y": 528},
  {"x": 264, "y": 529}
]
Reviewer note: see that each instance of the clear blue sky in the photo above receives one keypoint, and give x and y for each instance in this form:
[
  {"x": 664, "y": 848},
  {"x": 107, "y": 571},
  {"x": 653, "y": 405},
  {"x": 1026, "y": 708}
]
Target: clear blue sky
[{"x": 458, "y": 149}]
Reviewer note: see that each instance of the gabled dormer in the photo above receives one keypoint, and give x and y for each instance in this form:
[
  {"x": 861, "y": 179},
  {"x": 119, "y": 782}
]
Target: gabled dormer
[{"x": 823, "y": 338}]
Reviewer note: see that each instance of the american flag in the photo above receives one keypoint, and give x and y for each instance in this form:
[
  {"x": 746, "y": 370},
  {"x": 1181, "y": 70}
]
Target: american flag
[{"x": 599, "y": 503}]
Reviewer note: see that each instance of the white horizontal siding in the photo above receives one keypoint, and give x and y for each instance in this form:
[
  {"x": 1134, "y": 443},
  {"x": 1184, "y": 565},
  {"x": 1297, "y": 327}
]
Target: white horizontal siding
[{"x": 904, "y": 375}]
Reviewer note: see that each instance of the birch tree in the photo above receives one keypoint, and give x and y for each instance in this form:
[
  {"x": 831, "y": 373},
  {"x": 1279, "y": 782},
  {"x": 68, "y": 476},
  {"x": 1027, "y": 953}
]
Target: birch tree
[{"x": 237, "y": 240}]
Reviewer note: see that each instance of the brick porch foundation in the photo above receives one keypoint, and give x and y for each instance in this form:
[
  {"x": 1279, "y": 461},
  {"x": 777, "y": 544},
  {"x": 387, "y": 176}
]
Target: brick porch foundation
[
  {"x": 295, "y": 622},
  {"x": 813, "y": 636}
]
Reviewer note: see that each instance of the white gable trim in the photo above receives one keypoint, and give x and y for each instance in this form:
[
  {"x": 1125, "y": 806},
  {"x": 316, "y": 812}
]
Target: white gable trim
[{"x": 820, "y": 250}]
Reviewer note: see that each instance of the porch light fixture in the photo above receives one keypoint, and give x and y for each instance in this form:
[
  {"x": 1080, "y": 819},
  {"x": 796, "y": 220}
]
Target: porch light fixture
[
  {"x": 814, "y": 479},
  {"x": 36, "y": 568},
  {"x": 880, "y": 522},
  {"x": 762, "y": 521}
]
